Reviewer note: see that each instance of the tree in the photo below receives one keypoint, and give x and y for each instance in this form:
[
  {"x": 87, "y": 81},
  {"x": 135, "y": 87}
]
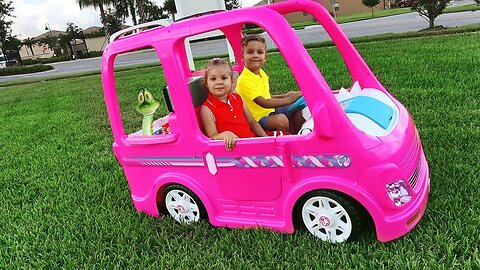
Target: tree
[
  {"x": 12, "y": 43},
  {"x": 133, "y": 8},
  {"x": 11, "y": 48},
  {"x": 52, "y": 43},
  {"x": 478, "y": 2},
  {"x": 430, "y": 10},
  {"x": 232, "y": 4},
  {"x": 153, "y": 12},
  {"x": 140, "y": 10},
  {"x": 6, "y": 10},
  {"x": 71, "y": 32},
  {"x": 169, "y": 6},
  {"x": 29, "y": 42},
  {"x": 125, "y": 8},
  {"x": 96, "y": 4},
  {"x": 370, "y": 4},
  {"x": 112, "y": 21}
]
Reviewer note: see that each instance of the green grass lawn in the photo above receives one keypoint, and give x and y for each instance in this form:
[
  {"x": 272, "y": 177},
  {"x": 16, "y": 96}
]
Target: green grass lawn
[
  {"x": 385, "y": 13},
  {"x": 66, "y": 202}
]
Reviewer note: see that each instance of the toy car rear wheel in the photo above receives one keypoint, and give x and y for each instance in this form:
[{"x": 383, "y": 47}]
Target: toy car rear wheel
[
  {"x": 330, "y": 216},
  {"x": 183, "y": 205}
]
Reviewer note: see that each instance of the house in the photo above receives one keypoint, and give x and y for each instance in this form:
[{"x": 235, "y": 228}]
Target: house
[
  {"x": 43, "y": 51},
  {"x": 343, "y": 7}
]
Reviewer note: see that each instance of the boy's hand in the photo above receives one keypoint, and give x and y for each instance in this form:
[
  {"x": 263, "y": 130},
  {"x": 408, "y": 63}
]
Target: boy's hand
[
  {"x": 230, "y": 140},
  {"x": 290, "y": 93},
  {"x": 294, "y": 95}
]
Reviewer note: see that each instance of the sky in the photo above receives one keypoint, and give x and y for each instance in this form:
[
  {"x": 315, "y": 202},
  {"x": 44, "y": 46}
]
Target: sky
[{"x": 32, "y": 16}]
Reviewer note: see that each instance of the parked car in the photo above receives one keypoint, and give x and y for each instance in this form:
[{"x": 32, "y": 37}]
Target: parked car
[
  {"x": 358, "y": 156},
  {"x": 406, "y": 3}
]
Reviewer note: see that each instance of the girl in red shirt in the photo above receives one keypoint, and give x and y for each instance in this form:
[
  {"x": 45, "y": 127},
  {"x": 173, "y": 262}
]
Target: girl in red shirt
[{"x": 224, "y": 114}]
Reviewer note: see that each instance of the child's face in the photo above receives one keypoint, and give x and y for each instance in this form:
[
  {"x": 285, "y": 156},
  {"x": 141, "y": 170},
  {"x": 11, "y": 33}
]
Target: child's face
[
  {"x": 254, "y": 55},
  {"x": 219, "y": 81}
]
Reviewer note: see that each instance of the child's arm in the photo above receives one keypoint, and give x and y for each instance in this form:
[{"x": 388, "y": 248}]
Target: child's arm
[
  {"x": 287, "y": 94},
  {"x": 211, "y": 129},
  {"x": 254, "y": 125},
  {"x": 278, "y": 101}
]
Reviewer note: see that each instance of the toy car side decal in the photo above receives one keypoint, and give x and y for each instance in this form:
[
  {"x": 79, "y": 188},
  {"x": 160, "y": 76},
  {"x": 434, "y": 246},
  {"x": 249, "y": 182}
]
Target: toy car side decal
[
  {"x": 165, "y": 161},
  {"x": 247, "y": 162},
  {"x": 310, "y": 161},
  {"x": 338, "y": 161}
]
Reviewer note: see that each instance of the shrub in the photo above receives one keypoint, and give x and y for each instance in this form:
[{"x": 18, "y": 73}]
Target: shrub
[
  {"x": 24, "y": 69},
  {"x": 94, "y": 54},
  {"x": 59, "y": 58}
]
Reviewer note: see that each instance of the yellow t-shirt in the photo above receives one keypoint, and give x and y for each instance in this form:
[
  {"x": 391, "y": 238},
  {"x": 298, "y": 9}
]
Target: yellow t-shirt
[{"x": 251, "y": 86}]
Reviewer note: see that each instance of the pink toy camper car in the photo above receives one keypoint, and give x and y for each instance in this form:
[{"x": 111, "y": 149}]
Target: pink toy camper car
[{"x": 358, "y": 156}]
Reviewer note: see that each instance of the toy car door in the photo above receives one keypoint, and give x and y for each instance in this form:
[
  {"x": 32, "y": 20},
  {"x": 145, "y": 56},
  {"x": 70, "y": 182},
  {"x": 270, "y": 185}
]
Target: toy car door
[{"x": 252, "y": 171}]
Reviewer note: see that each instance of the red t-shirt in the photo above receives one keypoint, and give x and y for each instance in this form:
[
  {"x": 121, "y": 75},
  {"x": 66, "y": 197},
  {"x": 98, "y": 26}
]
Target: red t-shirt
[{"x": 229, "y": 115}]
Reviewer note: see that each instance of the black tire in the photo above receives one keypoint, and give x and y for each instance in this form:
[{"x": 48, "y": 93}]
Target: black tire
[
  {"x": 332, "y": 217},
  {"x": 402, "y": 5},
  {"x": 183, "y": 205}
]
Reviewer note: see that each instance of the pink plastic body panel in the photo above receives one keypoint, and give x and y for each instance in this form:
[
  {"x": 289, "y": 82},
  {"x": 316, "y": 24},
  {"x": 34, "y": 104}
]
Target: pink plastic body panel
[{"x": 259, "y": 182}]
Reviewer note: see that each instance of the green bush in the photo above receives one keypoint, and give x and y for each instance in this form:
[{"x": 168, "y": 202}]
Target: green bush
[
  {"x": 24, "y": 69},
  {"x": 59, "y": 58},
  {"x": 94, "y": 54}
]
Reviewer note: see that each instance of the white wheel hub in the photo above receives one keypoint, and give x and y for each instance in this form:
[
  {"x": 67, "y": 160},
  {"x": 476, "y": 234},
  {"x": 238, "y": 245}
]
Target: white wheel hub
[
  {"x": 181, "y": 206},
  {"x": 326, "y": 219}
]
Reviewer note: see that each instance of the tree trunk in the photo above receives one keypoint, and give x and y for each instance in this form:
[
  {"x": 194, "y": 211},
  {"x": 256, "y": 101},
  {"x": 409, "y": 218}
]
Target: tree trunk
[
  {"x": 141, "y": 10},
  {"x": 131, "y": 6},
  {"x": 372, "y": 12},
  {"x": 104, "y": 20},
  {"x": 431, "y": 20},
  {"x": 31, "y": 49}
]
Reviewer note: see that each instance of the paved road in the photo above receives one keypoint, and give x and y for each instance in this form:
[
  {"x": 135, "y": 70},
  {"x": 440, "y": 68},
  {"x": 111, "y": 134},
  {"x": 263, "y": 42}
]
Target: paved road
[{"x": 392, "y": 24}]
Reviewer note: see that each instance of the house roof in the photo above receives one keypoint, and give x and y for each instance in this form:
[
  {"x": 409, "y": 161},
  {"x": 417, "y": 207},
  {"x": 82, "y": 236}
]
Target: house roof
[
  {"x": 54, "y": 33},
  {"x": 92, "y": 29}
]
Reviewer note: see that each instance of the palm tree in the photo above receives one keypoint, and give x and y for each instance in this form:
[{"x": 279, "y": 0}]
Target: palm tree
[
  {"x": 29, "y": 42},
  {"x": 141, "y": 10},
  {"x": 169, "y": 6},
  {"x": 125, "y": 8},
  {"x": 96, "y": 4}
]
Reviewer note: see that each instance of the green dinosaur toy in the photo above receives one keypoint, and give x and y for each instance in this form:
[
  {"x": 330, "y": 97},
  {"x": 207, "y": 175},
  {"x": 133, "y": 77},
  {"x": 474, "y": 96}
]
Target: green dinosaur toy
[{"x": 146, "y": 105}]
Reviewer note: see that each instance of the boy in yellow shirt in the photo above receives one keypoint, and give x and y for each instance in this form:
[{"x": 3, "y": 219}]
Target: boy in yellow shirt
[{"x": 270, "y": 111}]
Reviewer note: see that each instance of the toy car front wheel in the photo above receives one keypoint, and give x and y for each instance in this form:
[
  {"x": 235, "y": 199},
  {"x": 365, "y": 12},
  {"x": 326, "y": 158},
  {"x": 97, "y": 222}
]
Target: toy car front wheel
[
  {"x": 183, "y": 205},
  {"x": 329, "y": 216}
]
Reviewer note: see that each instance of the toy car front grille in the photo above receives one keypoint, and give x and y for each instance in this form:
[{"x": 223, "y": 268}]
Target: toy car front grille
[
  {"x": 413, "y": 180},
  {"x": 411, "y": 156}
]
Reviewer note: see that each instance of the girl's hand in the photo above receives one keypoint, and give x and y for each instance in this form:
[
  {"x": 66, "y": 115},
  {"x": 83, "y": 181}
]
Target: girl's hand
[{"x": 230, "y": 140}]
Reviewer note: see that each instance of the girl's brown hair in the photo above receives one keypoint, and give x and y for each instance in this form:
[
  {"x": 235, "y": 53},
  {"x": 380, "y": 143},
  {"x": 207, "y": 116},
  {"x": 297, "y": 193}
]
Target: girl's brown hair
[{"x": 215, "y": 62}]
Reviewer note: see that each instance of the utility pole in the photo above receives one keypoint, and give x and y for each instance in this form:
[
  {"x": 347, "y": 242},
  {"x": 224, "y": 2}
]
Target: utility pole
[{"x": 334, "y": 11}]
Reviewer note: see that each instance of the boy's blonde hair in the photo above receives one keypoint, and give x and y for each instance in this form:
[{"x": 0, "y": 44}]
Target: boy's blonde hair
[
  {"x": 216, "y": 62},
  {"x": 253, "y": 37}
]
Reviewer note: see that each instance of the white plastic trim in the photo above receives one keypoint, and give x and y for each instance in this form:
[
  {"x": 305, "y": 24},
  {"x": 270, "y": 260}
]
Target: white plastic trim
[
  {"x": 138, "y": 28},
  {"x": 212, "y": 166}
]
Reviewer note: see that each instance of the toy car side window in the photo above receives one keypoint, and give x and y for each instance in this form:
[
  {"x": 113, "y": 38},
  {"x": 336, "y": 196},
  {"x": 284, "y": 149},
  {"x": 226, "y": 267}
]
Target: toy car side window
[{"x": 143, "y": 97}]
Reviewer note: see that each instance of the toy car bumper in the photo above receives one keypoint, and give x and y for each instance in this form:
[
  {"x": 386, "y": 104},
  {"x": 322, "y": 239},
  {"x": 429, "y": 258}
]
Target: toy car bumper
[{"x": 400, "y": 224}]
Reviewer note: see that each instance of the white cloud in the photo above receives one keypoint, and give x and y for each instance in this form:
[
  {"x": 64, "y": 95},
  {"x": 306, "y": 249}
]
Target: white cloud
[{"x": 31, "y": 16}]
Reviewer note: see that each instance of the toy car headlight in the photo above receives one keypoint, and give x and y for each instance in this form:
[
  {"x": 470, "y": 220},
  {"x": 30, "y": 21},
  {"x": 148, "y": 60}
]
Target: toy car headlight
[{"x": 398, "y": 192}]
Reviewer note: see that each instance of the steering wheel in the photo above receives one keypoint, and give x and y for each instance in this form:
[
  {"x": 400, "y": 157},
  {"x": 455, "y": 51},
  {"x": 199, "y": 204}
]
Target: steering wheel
[{"x": 298, "y": 104}]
